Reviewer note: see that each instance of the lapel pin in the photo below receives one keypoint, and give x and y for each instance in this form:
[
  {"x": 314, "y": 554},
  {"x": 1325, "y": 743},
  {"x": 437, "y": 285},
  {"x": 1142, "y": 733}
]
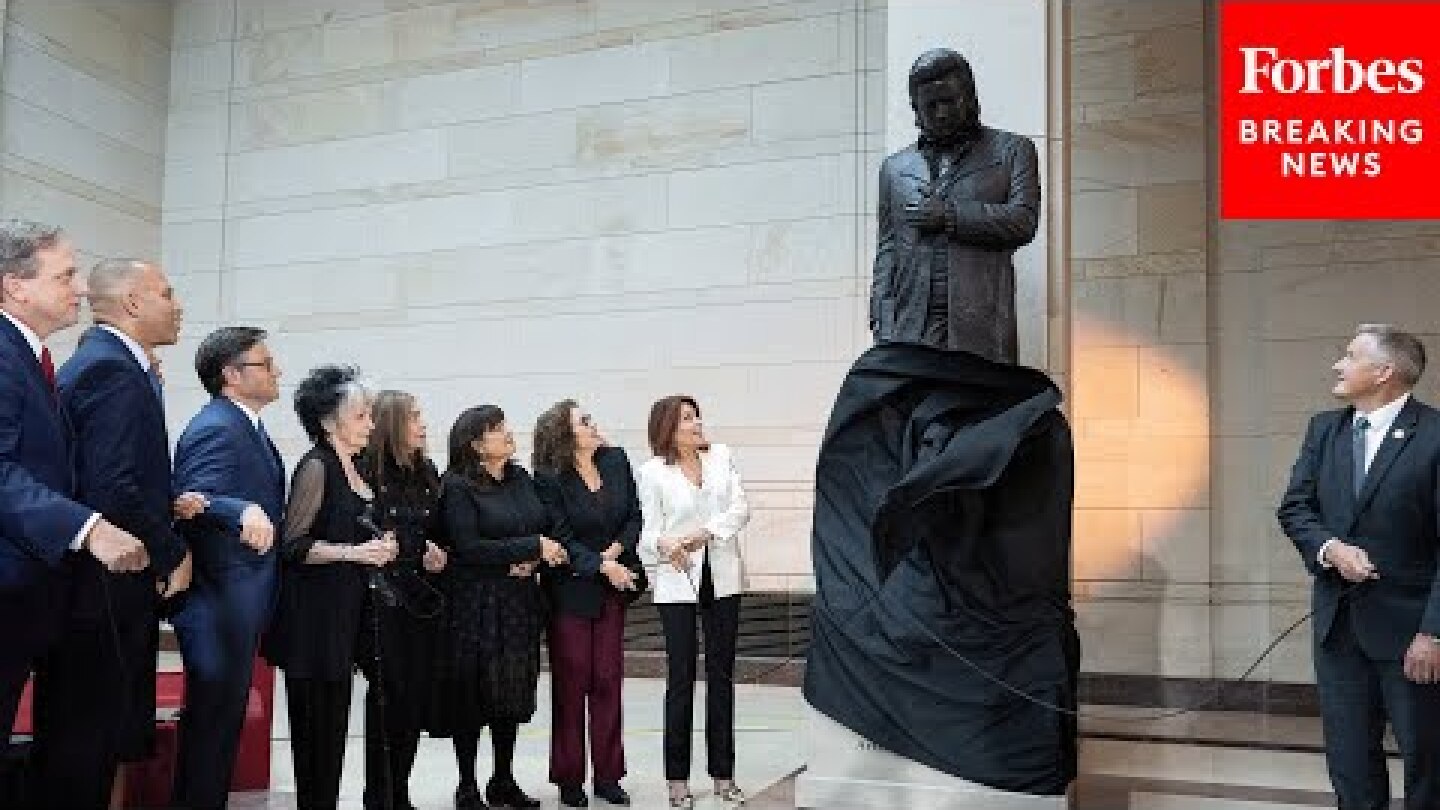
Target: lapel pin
[{"x": 1398, "y": 434}]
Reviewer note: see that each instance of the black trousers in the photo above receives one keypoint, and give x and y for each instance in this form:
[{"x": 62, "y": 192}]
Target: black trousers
[
  {"x": 1357, "y": 694},
  {"x": 32, "y": 626},
  {"x": 319, "y": 719},
  {"x": 97, "y": 699},
  {"x": 720, "y": 619},
  {"x": 391, "y": 741}
]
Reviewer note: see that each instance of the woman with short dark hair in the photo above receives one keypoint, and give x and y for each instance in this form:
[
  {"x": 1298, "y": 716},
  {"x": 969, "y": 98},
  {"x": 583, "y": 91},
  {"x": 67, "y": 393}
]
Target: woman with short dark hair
[
  {"x": 326, "y": 559},
  {"x": 589, "y": 489},
  {"x": 498, "y": 531},
  {"x": 694, "y": 507}
]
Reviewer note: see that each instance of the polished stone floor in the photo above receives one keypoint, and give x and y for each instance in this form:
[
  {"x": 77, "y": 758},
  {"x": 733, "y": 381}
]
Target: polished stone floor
[
  {"x": 1203, "y": 761},
  {"x": 767, "y": 752}
]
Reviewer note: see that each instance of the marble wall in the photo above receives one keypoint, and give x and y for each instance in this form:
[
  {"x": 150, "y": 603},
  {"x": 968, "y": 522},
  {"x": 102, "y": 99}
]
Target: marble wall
[
  {"x": 1141, "y": 354},
  {"x": 1201, "y": 349},
  {"x": 522, "y": 201},
  {"x": 83, "y": 96}
]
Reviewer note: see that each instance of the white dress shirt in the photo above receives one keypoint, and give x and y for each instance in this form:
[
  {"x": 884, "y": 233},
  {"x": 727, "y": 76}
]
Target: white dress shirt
[
  {"x": 135, "y": 348},
  {"x": 1381, "y": 420},
  {"x": 36, "y": 346},
  {"x": 245, "y": 409},
  {"x": 673, "y": 507}
]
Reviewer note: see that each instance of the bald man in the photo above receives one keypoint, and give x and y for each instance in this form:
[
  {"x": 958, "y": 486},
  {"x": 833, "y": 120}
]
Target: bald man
[{"x": 102, "y": 701}]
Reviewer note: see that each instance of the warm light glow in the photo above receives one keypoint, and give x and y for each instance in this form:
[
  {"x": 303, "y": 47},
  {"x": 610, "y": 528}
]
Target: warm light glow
[{"x": 1142, "y": 446}]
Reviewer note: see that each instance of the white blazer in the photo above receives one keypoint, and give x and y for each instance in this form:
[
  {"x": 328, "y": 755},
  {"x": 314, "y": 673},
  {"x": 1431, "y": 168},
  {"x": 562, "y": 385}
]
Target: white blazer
[{"x": 673, "y": 507}]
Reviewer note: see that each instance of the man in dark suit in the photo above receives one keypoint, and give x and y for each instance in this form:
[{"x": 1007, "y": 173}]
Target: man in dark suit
[
  {"x": 41, "y": 525},
  {"x": 102, "y": 699},
  {"x": 1362, "y": 509},
  {"x": 226, "y": 455}
]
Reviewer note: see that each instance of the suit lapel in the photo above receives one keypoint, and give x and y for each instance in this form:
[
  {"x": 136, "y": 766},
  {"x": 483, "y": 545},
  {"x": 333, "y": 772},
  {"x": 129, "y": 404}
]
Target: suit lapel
[
  {"x": 114, "y": 345},
  {"x": 267, "y": 448},
  {"x": 1345, "y": 456},
  {"x": 1390, "y": 449},
  {"x": 29, "y": 361}
]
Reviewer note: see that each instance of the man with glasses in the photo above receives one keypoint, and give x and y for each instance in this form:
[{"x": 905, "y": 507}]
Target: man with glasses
[{"x": 226, "y": 455}]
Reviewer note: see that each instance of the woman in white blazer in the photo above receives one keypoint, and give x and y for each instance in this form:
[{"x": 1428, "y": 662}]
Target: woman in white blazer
[{"x": 693, "y": 507}]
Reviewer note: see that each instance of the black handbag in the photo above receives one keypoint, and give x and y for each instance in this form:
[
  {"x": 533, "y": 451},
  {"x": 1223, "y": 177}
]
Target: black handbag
[{"x": 631, "y": 560}]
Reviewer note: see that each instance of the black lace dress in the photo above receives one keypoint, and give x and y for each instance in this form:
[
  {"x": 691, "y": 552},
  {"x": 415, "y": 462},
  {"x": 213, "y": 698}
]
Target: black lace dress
[{"x": 494, "y": 621}]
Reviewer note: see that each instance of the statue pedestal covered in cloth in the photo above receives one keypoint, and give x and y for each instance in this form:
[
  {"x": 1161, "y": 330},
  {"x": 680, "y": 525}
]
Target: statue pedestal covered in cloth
[{"x": 942, "y": 630}]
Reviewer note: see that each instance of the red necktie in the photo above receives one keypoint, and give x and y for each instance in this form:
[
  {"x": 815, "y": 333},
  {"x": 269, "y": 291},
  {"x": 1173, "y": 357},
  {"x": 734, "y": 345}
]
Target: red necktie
[{"x": 47, "y": 366}]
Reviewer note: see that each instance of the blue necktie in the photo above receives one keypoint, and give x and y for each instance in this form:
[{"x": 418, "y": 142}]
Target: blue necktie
[
  {"x": 269, "y": 445},
  {"x": 1357, "y": 450},
  {"x": 156, "y": 385}
]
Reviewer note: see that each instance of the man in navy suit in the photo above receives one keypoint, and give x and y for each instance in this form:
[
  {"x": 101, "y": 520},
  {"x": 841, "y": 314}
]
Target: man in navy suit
[
  {"x": 102, "y": 699},
  {"x": 41, "y": 524},
  {"x": 225, "y": 454},
  {"x": 1362, "y": 509}
]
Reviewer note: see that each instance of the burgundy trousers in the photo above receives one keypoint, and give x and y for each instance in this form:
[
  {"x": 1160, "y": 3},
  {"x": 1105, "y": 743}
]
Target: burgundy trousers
[{"x": 587, "y": 664}]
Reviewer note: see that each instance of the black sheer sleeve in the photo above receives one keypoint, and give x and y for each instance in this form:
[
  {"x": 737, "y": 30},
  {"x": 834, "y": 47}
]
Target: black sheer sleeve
[{"x": 307, "y": 495}]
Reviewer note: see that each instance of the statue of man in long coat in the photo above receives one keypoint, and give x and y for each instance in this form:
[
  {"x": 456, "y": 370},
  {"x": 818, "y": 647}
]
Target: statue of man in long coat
[{"x": 953, "y": 208}]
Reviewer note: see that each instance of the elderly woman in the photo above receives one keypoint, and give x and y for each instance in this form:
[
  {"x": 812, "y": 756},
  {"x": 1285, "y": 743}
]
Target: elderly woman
[
  {"x": 327, "y": 556},
  {"x": 406, "y": 486},
  {"x": 694, "y": 507},
  {"x": 497, "y": 531},
  {"x": 590, "y": 492}
]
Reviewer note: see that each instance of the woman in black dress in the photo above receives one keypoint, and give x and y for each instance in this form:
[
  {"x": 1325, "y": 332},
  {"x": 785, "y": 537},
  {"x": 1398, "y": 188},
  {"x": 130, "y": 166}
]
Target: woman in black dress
[
  {"x": 591, "y": 493},
  {"x": 497, "y": 532},
  {"x": 327, "y": 556},
  {"x": 398, "y": 702}
]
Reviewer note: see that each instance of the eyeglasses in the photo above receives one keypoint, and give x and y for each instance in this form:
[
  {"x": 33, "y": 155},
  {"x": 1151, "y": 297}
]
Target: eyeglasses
[
  {"x": 586, "y": 420},
  {"x": 268, "y": 364}
]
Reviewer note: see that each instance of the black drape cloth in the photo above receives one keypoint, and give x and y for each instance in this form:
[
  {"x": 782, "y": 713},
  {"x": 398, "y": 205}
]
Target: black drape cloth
[{"x": 942, "y": 559}]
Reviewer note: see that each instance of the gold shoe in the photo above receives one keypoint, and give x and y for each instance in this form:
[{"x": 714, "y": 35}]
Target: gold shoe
[
  {"x": 731, "y": 794},
  {"x": 687, "y": 801}
]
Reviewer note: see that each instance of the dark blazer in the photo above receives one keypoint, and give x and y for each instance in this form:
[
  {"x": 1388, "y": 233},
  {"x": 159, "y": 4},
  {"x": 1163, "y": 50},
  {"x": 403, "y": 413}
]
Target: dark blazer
[
  {"x": 224, "y": 457},
  {"x": 993, "y": 193},
  {"x": 1394, "y": 518},
  {"x": 38, "y": 516},
  {"x": 122, "y": 457},
  {"x": 586, "y": 523}
]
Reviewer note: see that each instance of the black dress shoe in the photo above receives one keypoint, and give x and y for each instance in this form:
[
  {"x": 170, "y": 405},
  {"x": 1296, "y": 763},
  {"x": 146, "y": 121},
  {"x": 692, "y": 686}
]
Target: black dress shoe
[
  {"x": 505, "y": 793},
  {"x": 613, "y": 794},
  {"x": 467, "y": 797},
  {"x": 573, "y": 796}
]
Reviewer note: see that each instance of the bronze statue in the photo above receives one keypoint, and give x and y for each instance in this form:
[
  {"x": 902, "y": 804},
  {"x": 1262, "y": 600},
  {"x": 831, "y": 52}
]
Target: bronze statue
[{"x": 953, "y": 208}]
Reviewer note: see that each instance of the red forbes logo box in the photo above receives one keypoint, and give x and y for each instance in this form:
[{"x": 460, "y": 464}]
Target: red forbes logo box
[{"x": 1328, "y": 110}]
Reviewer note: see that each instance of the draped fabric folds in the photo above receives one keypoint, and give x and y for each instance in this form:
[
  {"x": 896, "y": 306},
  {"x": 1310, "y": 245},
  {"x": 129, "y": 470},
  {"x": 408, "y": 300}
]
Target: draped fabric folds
[{"x": 942, "y": 566}]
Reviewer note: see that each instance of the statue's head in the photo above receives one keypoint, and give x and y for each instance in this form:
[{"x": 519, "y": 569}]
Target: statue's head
[{"x": 942, "y": 93}]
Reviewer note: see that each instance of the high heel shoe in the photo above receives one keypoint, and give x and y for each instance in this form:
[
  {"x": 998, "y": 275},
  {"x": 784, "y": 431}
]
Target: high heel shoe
[{"x": 732, "y": 794}]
